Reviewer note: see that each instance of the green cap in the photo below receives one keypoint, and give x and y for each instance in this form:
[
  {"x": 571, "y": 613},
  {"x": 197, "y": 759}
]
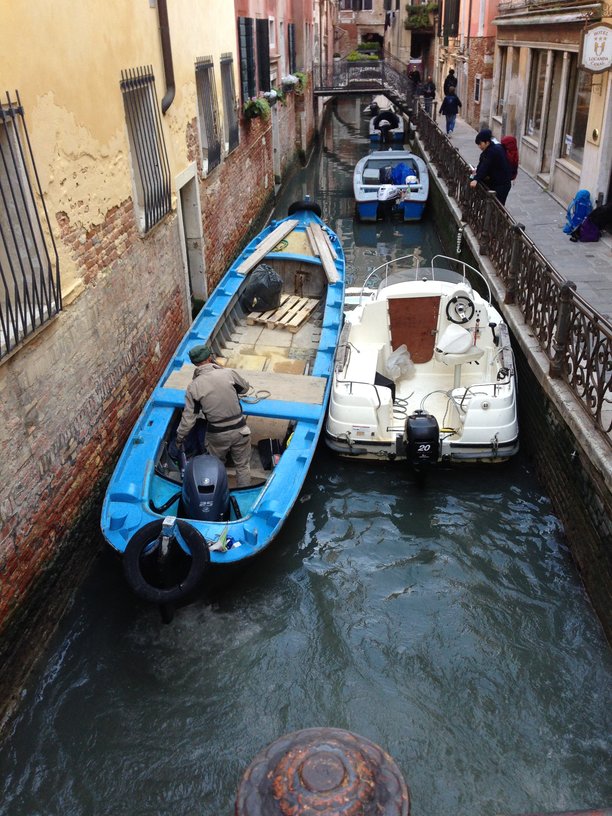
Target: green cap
[{"x": 199, "y": 353}]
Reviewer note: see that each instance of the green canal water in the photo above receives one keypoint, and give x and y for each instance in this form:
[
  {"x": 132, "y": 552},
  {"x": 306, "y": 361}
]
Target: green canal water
[{"x": 444, "y": 622}]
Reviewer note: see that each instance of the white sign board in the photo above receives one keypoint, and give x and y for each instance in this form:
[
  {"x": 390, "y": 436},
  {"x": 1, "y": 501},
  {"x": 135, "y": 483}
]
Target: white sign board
[{"x": 597, "y": 48}]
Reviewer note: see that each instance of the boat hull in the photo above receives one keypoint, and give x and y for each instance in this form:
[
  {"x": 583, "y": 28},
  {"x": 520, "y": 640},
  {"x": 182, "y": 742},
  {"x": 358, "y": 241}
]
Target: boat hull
[
  {"x": 286, "y": 354},
  {"x": 391, "y": 183},
  {"x": 424, "y": 373}
]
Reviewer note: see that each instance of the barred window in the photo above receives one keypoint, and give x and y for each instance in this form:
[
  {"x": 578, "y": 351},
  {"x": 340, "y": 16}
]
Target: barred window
[
  {"x": 150, "y": 165},
  {"x": 30, "y": 292},
  {"x": 208, "y": 114},
  {"x": 230, "y": 119}
]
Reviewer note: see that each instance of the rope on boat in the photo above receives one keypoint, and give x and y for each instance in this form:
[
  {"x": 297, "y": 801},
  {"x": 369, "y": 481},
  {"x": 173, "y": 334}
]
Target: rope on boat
[{"x": 256, "y": 396}]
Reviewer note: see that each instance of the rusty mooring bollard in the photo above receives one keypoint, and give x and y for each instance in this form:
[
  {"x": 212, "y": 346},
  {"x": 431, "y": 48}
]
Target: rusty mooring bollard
[{"x": 323, "y": 771}]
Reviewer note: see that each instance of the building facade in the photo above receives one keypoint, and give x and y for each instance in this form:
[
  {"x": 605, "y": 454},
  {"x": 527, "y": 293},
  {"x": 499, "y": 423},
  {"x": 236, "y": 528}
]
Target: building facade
[
  {"x": 560, "y": 111},
  {"x": 131, "y": 177}
]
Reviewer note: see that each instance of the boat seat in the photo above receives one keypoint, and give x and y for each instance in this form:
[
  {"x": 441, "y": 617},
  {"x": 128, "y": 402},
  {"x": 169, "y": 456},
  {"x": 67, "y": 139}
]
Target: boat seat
[
  {"x": 456, "y": 346},
  {"x": 363, "y": 363}
]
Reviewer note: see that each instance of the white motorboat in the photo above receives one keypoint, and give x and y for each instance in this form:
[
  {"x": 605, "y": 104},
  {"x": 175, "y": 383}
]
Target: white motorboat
[
  {"x": 391, "y": 182},
  {"x": 379, "y": 103},
  {"x": 424, "y": 369}
]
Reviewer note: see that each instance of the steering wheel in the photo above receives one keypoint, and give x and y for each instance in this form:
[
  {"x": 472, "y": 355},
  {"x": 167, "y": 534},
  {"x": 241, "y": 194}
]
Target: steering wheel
[{"x": 460, "y": 309}]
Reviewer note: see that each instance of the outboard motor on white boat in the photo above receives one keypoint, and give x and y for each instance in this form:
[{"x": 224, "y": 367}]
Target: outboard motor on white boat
[
  {"x": 422, "y": 439},
  {"x": 388, "y": 192},
  {"x": 205, "y": 495}
]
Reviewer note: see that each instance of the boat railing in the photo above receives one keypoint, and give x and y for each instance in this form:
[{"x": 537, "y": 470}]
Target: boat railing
[{"x": 416, "y": 268}]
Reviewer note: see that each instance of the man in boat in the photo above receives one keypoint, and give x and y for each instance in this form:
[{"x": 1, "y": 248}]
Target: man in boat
[{"x": 214, "y": 392}]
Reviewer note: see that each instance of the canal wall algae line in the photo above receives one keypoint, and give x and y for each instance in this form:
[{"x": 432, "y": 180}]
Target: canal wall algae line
[{"x": 572, "y": 458}]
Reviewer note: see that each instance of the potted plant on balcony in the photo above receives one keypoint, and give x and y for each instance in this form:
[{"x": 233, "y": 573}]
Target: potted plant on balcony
[
  {"x": 420, "y": 17},
  {"x": 302, "y": 82},
  {"x": 289, "y": 82},
  {"x": 256, "y": 106}
]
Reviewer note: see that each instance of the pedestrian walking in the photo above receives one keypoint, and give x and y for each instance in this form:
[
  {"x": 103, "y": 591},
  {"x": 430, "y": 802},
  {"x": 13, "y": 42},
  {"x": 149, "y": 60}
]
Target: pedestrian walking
[
  {"x": 493, "y": 167},
  {"x": 450, "y": 108},
  {"x": 429, "y": 94},
  {"x": 450, "y": 82}
]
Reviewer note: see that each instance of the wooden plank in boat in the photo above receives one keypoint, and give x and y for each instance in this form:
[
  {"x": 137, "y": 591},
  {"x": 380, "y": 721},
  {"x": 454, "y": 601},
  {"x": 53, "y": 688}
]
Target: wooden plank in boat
[
  {"x": 288, "y": 387},
  {"x": 413, "y": 322},
  {"x": 282, "y": 387},
  {"x": 288, "y": 366},
  {"x": 291, "y": 314},
  {"x": 267, "y": 245},
  {"x": 251, "y": 362},
  {"x": 324, "y": 250}
]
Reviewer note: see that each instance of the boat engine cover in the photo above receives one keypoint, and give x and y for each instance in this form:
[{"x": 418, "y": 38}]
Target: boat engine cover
[
  {"x": 205, "y": 493},
  {"x": 388, "y": 192},
  {"x": 422, "y": 439}
]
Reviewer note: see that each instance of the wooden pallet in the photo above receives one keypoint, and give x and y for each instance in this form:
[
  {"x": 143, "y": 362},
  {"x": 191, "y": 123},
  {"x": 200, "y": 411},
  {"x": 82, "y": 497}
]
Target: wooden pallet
[{"x": 291, "y": 314}]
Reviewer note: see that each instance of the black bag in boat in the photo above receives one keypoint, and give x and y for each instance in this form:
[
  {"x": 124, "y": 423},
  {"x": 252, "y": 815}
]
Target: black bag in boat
[
  {"x": 263, "y": 290},
  {"x": 269, "y": 452}
]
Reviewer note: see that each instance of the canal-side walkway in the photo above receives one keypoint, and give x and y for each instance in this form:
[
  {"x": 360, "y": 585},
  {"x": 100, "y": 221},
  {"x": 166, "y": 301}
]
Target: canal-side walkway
[{"x": 588, "y": 265}]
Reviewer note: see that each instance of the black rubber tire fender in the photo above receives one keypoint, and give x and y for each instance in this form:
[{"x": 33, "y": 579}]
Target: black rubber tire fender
[
  {"x": 310, "y": 206},
  {"x": 200, "y": 559}
]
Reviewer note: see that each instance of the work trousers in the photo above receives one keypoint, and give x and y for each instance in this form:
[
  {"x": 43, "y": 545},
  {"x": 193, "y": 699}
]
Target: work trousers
[{"x": 238, "y": 443}]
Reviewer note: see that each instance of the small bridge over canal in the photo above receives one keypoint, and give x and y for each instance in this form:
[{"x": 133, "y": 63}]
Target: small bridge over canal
[{"x": 343, "y": 77}]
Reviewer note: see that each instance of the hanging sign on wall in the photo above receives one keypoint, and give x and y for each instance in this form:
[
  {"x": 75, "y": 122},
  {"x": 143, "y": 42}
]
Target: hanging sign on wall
[{"x": 597, "y": 48}]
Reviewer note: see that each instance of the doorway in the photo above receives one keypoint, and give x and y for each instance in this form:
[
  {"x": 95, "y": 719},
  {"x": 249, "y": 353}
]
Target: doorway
[{"x": 192, "y": 239}]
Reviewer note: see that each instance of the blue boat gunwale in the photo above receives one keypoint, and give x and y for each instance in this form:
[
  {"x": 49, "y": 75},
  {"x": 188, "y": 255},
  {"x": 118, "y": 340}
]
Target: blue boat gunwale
[{"x": 142, "y": 448}]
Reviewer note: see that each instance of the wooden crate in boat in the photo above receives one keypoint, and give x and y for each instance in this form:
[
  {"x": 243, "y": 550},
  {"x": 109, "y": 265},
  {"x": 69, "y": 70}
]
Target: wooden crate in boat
[{"x": 291, "y": 314}]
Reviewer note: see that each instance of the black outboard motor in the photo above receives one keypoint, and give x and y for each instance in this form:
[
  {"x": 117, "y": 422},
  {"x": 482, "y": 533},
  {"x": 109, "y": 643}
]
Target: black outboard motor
[
  {"x": 205, "y": 493},
  {"x": 422, "y": 439}
]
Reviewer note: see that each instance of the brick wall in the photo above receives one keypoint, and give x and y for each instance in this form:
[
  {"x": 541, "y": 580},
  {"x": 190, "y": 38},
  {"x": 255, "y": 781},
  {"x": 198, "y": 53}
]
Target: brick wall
[
  {"x": 480, "y": 63},
  {"x": 71, "y": 395}
]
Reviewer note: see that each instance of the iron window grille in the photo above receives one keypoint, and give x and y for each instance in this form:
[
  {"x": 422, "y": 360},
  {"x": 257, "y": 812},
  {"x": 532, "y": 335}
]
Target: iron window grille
[
  {"x": 30, "y": 292},
  {"x": 230, "y": 119},
  {"x": 208, "y": 114},
  {"x": 148, "y": 149}
]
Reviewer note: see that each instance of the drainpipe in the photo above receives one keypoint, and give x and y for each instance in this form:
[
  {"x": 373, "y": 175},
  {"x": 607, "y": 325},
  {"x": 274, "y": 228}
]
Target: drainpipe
[{"x": 164, "y": 30}]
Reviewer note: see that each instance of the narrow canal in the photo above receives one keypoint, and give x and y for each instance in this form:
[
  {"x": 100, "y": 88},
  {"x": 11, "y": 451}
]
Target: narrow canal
[{"x": 445, "y": 623}]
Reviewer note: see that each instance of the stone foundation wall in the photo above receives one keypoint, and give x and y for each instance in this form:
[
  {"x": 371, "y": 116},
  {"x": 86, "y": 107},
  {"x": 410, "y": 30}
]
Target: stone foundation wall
[{"x": 555, "y": 433}]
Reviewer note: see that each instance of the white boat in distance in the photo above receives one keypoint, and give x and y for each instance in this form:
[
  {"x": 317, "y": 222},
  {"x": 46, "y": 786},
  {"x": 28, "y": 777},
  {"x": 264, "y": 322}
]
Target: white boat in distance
[
  {"x": 390, "y": 182},
  {"x": 424, "y": 370}
]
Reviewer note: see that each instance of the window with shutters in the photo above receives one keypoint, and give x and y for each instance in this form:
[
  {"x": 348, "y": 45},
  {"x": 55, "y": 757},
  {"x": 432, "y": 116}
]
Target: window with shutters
[
  {"x": 29, "y": 268},
  {"x": 246, "y": 43},
  {"x": 231, "y": 131},
  {"x": 263, "y": 55},
  {"x": 208, "y": 114}
]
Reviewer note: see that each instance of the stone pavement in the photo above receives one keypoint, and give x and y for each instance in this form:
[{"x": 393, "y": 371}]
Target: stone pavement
[{"x": 588, "y": 265}]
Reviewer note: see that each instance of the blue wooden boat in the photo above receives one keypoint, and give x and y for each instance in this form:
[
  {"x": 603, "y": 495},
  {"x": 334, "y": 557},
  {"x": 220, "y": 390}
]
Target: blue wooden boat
[{"x": 169, "y": 544}]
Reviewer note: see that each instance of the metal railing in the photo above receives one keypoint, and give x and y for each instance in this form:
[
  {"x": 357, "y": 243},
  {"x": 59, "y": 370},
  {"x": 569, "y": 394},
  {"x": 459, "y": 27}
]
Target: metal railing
[
  {"x": 388, "y": 75},
  {"x": 575, "y": 338},
  {"x": 30, "y": 293}
]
